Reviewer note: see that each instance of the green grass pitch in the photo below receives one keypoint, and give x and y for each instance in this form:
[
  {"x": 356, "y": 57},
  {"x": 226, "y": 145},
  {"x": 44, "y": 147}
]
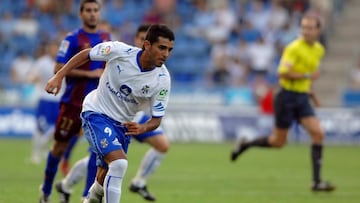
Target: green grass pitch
[{"x": 202, "y": 173}]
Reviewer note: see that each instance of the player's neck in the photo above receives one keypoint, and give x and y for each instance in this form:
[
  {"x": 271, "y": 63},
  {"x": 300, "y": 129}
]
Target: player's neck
[
  {"x": 145, "y": 62},
  {"x": 90, "y": 29},
  {"x": 309, "y": 42}
]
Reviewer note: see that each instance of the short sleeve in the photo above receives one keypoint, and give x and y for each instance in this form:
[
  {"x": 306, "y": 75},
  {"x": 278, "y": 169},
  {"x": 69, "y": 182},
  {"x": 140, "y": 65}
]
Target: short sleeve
[
  {"x": 103, "y": 51},
  {"x": 288, "y": 59},
  {"x": 67, "y": 49},
  {"x": 161, "y": 98}
]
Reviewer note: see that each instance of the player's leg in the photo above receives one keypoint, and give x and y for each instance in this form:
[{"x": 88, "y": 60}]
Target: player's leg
[
  {"x": 107, "y": 138},
  {"x": 96, "y": 190},
  {"x": 150, "y": 162},
  {"x": 46, "y": 115},
  {"x": 75, "y": 175},
  {"x": 67, "y": 125},
  {"x": 91, "y": 174},
  {"x": 36, "y": 155},
  {"x": 277, "y": 139},
  {"x": 117, "y": 163},
  {"x": 52, "y": 162},
  {"x": 66, "y": 158},
  {"x": 313, "y": 127},
  {"x": 283, "y": 120}
]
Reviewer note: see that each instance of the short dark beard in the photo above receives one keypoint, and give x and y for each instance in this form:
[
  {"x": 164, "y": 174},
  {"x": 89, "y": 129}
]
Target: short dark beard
[{"x": 92, "y": 27}]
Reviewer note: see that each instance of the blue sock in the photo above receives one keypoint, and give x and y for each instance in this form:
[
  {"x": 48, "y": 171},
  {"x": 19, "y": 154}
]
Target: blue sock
[
  {"x": 50, "y": 172},
  {"x": 70, "y": 147},
  {"x": 91, "y": 173}
]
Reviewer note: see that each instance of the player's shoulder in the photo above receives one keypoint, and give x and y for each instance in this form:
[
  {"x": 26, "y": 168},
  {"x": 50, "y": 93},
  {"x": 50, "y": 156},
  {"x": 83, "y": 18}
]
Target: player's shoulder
[
  {"x": 319, "y": 47},
  {"x": 296, "y": 43},
  {"x": 164, "y": 74},
  {"x": 73, "y": 33},
  {"x": 104, "y": 34},
  {"x": 123, "y": 48}
]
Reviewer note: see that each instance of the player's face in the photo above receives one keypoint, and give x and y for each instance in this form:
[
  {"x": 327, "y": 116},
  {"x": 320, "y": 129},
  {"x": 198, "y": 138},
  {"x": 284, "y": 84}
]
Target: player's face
[
  {"x": 160, "y": 51},
  {"x": 90, "y": 15},
  {"x": 139, "y": 39},
  {"x": 309, "y": 29}
]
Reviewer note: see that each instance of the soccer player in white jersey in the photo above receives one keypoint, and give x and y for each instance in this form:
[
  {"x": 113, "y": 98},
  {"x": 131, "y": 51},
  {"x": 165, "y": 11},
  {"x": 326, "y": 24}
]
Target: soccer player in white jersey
[
  {"x": 133, "y": 80},
  {"x": 47, "y": 108},
  {"x": 150, "y": 162}
]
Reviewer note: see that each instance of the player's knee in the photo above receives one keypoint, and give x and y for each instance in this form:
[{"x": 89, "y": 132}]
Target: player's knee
[
  {"x": 118, "y": 167},
  {"x": 163, "y": 147},
  {"x": 317, "y": 136},
  {"x": 58, "y": 149}
]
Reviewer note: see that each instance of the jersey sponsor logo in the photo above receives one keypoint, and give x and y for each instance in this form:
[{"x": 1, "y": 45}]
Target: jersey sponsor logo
[
  {"x": 162, "y": 94},
  {"x": 126, "y": 90},
  {"x": 116, "y": 142},
  {"x": 104, "y": 143},
  {"x": 104, "y": 50},
  {"x": 122, "y": 94},
  {"x": 64, "y": 46},
  {"x": 145, "y": 89}
]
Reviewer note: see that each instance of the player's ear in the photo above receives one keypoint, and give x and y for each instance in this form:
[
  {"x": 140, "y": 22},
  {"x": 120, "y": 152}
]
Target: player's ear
[{"x": 146, "y": 44}]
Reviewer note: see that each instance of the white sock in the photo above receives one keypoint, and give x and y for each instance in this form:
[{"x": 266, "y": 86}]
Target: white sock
[
  {"x": 149, "y": 164},
  {"x": 46, "y": 138},
  {"x": 96, "y": 192},
  {"x": 36, "y": 156},
  {"x": 77, "y": 173},
  {"x": 40, "y": 145},
  {"x": 113, "y": 180}
]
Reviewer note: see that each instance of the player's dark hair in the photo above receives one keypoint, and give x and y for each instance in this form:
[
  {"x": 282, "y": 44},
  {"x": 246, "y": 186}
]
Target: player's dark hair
[
  {"x": 83, "y": 2},
  {"x": 159, "y": 30},
  {"x": 143, "y": 28}
]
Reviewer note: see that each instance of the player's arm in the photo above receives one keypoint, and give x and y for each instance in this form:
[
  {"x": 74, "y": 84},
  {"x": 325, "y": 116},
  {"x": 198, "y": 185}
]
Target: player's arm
[
  {"x": 81, "y": 73},
  {"x": 135, "y": 128},
  {"x": 314, "y": 99},
  {"x": 291, "y": 75},
  {"x": 54, "y": 84}
]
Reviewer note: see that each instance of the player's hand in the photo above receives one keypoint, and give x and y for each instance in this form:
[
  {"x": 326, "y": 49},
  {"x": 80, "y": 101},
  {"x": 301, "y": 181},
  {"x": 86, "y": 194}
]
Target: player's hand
[
  {"x": 315, "y": 75},
  {"x": 96, "y": 73},
  {"x": 134, "y": 128},
  {"x": 53, "y": 86}
]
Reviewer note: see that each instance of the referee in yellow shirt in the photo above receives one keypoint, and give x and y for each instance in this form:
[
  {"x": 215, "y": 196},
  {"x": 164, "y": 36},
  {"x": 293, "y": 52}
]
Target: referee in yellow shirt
[{"x": 298, "y": 68}]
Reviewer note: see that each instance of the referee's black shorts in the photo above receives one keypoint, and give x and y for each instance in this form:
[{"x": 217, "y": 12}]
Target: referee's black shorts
[{"x": 290, "y": 106}]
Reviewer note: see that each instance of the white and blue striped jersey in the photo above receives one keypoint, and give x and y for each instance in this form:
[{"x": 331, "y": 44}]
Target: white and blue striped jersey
[{"x": 125, "y": 87}]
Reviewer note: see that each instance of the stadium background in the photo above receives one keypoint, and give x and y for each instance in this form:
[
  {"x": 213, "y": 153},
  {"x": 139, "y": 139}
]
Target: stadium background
[{"x": 220, "y": 48}]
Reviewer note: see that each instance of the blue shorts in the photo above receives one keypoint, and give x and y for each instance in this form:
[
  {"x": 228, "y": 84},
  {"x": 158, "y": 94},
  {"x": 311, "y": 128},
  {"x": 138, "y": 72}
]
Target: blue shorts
[
  {"x": 143, "y": 136},
  {"x": 104, "y": 135},
  {"x": 291, "y": 106},
  {"x": 46, "y": 114}
]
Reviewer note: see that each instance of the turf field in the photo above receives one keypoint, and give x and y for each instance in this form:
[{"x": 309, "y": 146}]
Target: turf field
[{"x": 202, "y": 173}]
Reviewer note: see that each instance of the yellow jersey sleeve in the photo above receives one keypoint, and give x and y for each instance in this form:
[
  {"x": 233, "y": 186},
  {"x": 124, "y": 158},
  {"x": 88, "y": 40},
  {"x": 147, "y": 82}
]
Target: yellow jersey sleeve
[{"x": 288, "y": 59}]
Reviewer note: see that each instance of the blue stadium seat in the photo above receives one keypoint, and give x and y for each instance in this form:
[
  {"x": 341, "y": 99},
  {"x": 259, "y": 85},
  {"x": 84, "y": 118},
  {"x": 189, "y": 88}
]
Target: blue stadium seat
[{"x": 351, "y": 98}]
